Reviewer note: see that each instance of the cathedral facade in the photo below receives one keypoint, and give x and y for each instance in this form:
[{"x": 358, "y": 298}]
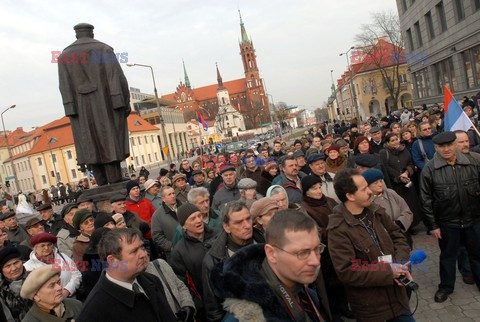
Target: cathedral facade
[{"x": 218, "y": 101}]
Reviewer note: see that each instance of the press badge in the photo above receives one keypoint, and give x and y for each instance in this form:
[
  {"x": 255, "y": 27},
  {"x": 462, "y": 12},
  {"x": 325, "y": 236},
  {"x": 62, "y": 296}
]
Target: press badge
[{"x": 385, "y": 258}]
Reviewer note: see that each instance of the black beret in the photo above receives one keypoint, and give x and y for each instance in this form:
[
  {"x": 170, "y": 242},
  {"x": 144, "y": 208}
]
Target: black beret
[
  {"x": 103, "y": 218},
  {"x": 7, "y": 215},
  {"x": 117, "y": 197},
  {"x": 366, "y": 160},
  {"x": 8, "y": 253},
  {"x": 44, "y": 206},
  {"x": 385, "y": 119},
  {"x": 444, "y": 138}
]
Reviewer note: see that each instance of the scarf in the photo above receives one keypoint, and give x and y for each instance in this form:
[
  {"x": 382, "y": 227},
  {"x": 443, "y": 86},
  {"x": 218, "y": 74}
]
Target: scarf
[{"x": 315, "y": 202}]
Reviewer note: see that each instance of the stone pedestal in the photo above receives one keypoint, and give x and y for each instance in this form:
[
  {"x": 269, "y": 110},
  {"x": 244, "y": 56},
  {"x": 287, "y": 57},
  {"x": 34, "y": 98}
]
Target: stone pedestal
[{"x": 101, "y": 195}]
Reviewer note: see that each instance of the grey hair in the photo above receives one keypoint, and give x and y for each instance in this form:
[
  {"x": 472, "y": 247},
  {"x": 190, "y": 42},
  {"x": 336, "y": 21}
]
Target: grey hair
[
  {"x": 231, "y": 207},
  {"x": 197, "y": 192},
  {"x": 162, "y": 190}
]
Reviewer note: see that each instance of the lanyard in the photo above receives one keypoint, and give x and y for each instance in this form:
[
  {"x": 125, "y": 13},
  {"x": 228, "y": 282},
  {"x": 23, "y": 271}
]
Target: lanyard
[{"x": 373, "y": 235}]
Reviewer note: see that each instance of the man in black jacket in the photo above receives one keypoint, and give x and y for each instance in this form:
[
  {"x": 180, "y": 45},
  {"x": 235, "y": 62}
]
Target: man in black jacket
[
  {"x": 237, "y": 233},
  {"x": 52, "y": 222},
  {"x": 125, "y": 292},
  {"x": 450, "y": 190}
]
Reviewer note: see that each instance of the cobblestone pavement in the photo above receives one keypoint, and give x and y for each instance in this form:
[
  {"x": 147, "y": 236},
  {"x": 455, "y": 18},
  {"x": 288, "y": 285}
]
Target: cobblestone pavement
[{"x": 462, "y": 305}]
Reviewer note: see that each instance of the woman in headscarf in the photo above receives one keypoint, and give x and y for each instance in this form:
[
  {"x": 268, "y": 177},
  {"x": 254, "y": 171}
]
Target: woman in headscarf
[{"x": 335, "y": 161}]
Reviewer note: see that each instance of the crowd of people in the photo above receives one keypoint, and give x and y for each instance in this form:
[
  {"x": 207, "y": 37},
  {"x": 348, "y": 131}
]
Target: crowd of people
[{"x": 317, "y": 230}]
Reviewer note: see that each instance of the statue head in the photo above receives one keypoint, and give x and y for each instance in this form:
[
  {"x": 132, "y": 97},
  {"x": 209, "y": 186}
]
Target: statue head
[{"x": 83, "y": 30}]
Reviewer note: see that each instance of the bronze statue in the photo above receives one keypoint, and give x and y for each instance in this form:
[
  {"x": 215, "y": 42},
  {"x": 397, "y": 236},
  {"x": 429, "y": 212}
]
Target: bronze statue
[{"x": 96, "y": 99}]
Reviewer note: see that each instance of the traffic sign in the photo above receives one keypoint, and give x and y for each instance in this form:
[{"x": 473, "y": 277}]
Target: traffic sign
[{"x": 10, "y": 178}]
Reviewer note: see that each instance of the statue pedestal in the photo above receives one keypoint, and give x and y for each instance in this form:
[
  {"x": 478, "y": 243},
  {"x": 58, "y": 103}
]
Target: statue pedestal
[{"x": 101, "y": 195}]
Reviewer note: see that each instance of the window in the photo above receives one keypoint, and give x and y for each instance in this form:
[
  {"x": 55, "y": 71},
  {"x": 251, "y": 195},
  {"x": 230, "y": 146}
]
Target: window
[
  {"x": 476, "y": 4},
  {"x": 467, "y": 64},
  {"x": 54, "y": 158},
  {"x": 44, "y": 179},
  {"x": 152, "y": 138},
  {"x": 404, "y": 5},
  {"x": 422, "y": 80},
  {"x": 139, "y": 140},
  {"x": 149, "y": 158},
  {"x": 136, "y": 161},
  {"x": 39, "y": 160},
  {"x": 418, "y": 33},
  {"x": 410, "y": 40},
  {"x": 146, "y": 139},
  {"x": 459, "y": 10},
  {"x": 429, "y": 23},
  {"x": 156, "y": 156},
  {"x": 58, "y": 176},
  {"x": 143, "y": 159},
  {"x": 74, "y": 173},
  {"x": 445, "y": 75},
  {"x": 132, "y": 141},
  {"x": 441, "y": 16},
  {"x": 402, "y": 78},
  {"x": 69, "y": 155}
]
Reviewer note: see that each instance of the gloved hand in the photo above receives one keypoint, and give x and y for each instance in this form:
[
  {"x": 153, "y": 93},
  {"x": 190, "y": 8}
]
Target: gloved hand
[{"x": 186, "y": 314}]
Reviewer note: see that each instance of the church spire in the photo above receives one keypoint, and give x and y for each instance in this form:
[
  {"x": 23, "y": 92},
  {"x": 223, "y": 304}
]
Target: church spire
[
  {"x": 219, "y": 78},
  {"x": 242, "y": 29},
  {"x": 187, "y": 80}
]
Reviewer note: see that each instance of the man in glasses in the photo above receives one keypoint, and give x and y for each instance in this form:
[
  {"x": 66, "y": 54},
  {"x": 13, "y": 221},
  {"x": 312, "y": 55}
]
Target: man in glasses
[
  {"x": 423, "y": 149},
  {"x": 367, "y": 251},
  {"x": 271, "y": 280}
]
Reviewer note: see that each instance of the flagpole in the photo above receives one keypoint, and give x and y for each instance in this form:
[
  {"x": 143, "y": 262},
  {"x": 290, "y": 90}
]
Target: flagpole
[{"x": 200, "y": 142}]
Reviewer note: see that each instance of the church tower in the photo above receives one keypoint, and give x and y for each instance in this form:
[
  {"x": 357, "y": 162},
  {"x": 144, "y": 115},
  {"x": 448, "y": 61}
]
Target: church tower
[{"x": 257, "y": 101}]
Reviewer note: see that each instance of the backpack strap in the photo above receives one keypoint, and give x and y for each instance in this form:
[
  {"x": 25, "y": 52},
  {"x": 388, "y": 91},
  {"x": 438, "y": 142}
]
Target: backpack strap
[{"x": 422, "y": 149}]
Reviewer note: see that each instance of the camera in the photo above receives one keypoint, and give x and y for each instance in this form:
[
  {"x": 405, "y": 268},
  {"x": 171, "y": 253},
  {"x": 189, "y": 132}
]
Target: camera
[{"x": 409, "y": 185}]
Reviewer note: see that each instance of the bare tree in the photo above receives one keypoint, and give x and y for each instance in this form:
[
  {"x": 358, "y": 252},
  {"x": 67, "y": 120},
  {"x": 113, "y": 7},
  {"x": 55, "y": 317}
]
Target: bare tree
[
  {"x": 387, "y": 58},
  {"x": 281, "y": 113}
]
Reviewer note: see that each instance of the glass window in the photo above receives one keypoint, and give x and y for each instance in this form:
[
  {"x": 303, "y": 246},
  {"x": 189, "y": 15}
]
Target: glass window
[
  {"x": 149, "y": 158},
  {"x": 429, "y": 23},
  {"x": 476, "y": 4},
  {"x": 476, "y": 61},
  {"x": 152, "y": 138},
  {"x": 146, "y": 139},
  {"x": 410, "y": 39},
  {"x": 74, "y": 173},
  {"x": 418, "y": 33},
  {"x": 69, "y": 155},
  {"x": 136, "y": 161},
  {"x": 39, "y": 160},
  {"x": 54, "y": 158},
  {"x": 143, "y": 159},
  {"x": 459, "y": 10},
  {"x": 132, "y": 141},
  {"x": 453, "y": 77},
  {"x": 156, "y": 156},
  {"x": 442, "y": 20},
  {"x": 139, "y": 140},
  {"x": 467, "y": 63}
]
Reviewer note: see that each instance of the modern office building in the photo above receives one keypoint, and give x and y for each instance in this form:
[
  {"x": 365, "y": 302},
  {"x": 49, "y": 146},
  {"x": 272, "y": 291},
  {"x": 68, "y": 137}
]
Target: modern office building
[{"x": 442, "y": 38}]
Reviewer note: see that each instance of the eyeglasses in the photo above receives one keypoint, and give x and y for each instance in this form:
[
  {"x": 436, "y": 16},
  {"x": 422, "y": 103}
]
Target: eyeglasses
[
  {"x": 305, "y": 253},
  {"x": 426, "y": 129}
]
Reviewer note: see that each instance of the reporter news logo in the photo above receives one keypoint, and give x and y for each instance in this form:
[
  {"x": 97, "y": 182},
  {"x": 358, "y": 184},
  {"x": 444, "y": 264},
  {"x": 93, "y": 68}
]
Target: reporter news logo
[
  {"x": 95, "y": 57},
  {"x": 82, "y": 266}
]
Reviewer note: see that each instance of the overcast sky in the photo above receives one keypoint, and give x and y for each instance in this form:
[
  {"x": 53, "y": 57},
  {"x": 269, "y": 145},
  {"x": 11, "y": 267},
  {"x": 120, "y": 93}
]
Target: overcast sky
[{"x": 297, "y": 44}]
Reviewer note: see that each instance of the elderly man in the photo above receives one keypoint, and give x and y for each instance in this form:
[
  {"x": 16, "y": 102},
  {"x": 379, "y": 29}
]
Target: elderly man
[
  {"x": 179, "y": 182},
  {"x": 42, "y": 286},
  {"x": 237, "y": 233},
  {"x": 199, "y": 179},
  {"x": 124, "y": 287},
  {"x": 119, "y": 206},
  {"x": 449, "y": 188},
  {"x": 13, "y": 276},
  {"x": 34, "y": 226},
  {"x": 290, "y": 260},
  {"x": 165, "y": 221},
  {"x": 361, "y": 232},
  {"x": 377, "y": 142},
  {"x": 16, "y": 233},
  {"x": 67, "y": 235},
  {"x": 152, "y": 188},
  {"x": 318, "y": 165},
  {"x": 228, "y": 191},
  {"x": 53, "y": 222},
  {"x": 188, "y": 254},
  {"x": 289, "y": 178}
]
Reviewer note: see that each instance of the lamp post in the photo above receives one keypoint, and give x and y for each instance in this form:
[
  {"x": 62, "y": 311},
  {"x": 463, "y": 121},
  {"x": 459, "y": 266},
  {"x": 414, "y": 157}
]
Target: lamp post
[
  {"x": 49, "y": 141},
  {"x": 162, "y": 122},
  {"x": 352, "y": 89},
  {"x": 8, "y": 147}
]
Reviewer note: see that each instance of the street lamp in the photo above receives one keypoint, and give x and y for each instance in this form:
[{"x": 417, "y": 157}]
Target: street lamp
[
  {"x": 352, "y": 89},
  {"x": 8, "y": 148},
  {"x": 49, "y": 141},
  {"x": 162, "y": 122}
]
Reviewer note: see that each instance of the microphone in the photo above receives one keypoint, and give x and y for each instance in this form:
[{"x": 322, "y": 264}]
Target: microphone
[{"x": 415, "y": 258}]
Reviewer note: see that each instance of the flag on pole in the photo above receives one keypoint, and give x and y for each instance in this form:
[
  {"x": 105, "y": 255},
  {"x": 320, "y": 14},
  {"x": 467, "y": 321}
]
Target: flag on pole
[
  {"x": 455, "y": 118},
  {"x": 202, "y": 122}
]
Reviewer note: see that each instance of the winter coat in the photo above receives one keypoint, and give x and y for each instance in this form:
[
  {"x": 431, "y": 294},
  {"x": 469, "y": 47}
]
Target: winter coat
[
  {"x": 319, "y": 210},
  {"x": 218, "y": 253},
  {"x": 132, "y": 220},
  {"x": 164, "y": 224},
  {"x": 65, "y": 238},
  {"x": 397, "y": 161},
  {"x": 182, "y": 194},
  {"x": 80, "y": 245},
  {"x": 417, "y": 156},
  {"x": 70, "y": 276},
  {"x": 142, "y": 207},
  {"x": 451, "y": 195},
  {"x": 54, "y": 225},
  {"x": 180, "y": 293},
  {"x": 187, "y": 173},
  {"x": 327, "y": 185},
  {"x": 262, "y": 183},
  {"x": 224, "y": 195},
  {"x": 333, "y": 166},
  {"x": 395, "y": 207},
  {"x": 111, "y": 302},
  {"x": 248, "y": 296},
  {"x": 371, "y": 291},
  {"x": 72, "y": 309},
  {"x": 14, "y": 307},
  {"x": 155, "y": 200},
  {"x": 144, "y": 173},
  {"x": 18, "y": 234},
  {"x": 214, "y": 222},
  {"x": 293, "y": 191},
  {"x": 376, "y": 148}
]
